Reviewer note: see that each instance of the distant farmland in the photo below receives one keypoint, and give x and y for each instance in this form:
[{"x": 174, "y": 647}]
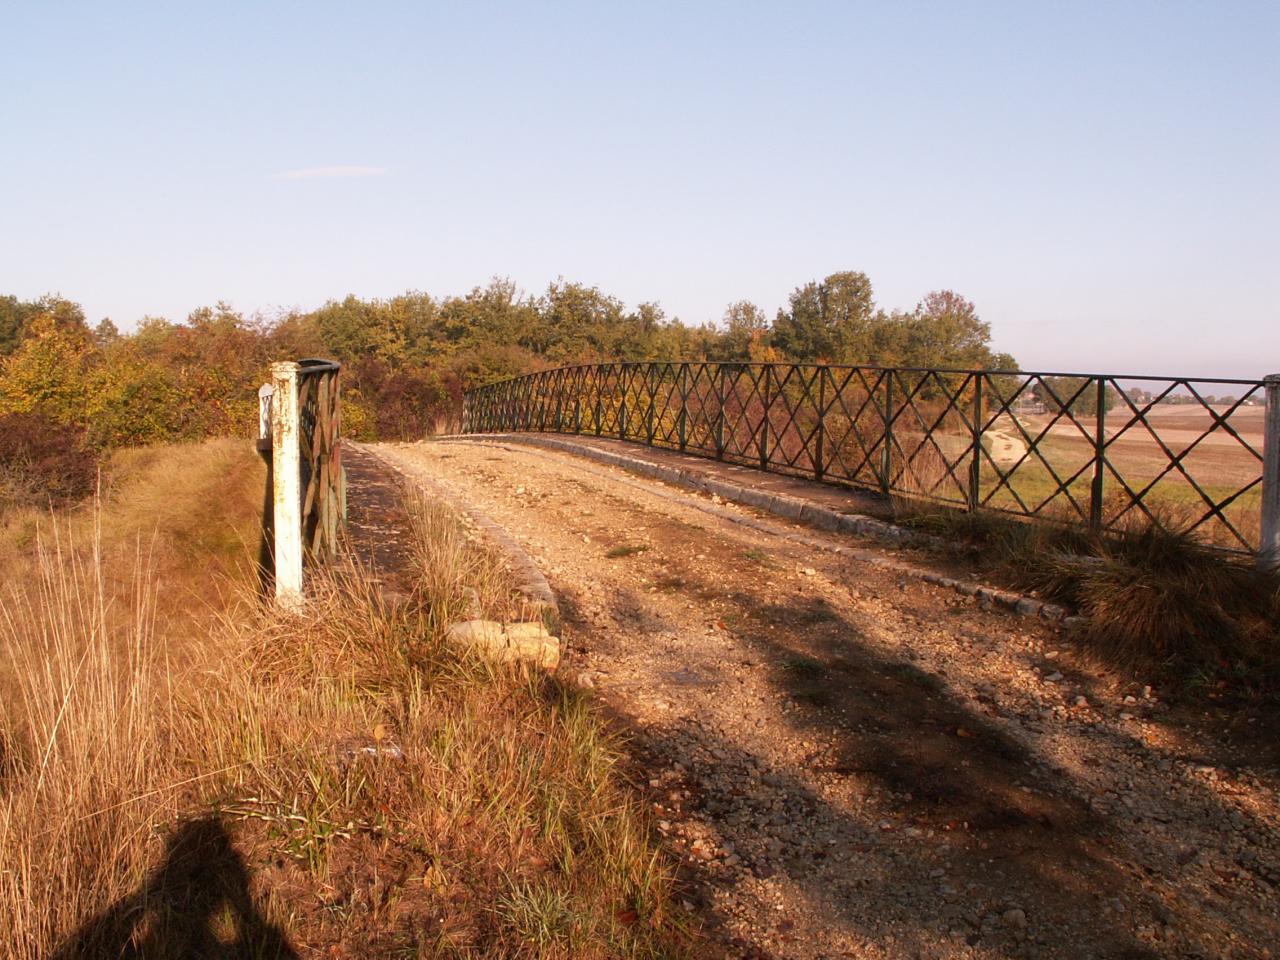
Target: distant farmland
[{"x": 1218, "y": 462}]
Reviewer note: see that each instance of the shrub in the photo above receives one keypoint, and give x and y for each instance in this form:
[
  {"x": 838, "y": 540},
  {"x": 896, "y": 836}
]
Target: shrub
[
  {"x": 133, "y": 402},
  {"x": 44, "y": 462},
  {"x": 402, "y": 404}
]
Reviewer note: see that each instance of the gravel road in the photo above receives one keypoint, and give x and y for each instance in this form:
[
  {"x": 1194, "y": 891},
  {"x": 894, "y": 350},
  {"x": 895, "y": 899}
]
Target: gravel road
[{"x": 852, "y": 764}]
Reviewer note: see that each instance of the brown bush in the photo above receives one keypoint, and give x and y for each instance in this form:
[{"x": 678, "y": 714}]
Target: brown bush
[
  {"x": 403, "y": 404},
  {"x": 1159, "y": 602},
  {"x": 44, "y": 462}
]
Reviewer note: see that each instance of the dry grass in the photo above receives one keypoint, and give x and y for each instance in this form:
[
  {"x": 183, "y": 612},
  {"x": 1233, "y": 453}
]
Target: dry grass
[
  {"x": 344, "y": 777},
  {"x": 193, "y": 510},
  {"x": 1159, "y": 602},
  {"x": 923, "y": 475},
  {"x": 85, "y": 759}
]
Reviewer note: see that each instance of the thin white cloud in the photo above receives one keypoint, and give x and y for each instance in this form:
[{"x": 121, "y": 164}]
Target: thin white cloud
[{"x": 346, "y": 172}]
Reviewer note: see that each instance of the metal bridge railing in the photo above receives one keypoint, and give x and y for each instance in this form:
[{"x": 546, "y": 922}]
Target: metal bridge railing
[
  {"x": 299, "y": 430},
  {"x": 1101, "y": 450}
]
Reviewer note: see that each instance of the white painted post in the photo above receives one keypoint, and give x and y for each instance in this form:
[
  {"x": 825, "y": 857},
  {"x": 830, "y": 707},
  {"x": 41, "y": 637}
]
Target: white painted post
[
  {"x": 1269, "y": 545},
  {"x": 286, "y": 469}
]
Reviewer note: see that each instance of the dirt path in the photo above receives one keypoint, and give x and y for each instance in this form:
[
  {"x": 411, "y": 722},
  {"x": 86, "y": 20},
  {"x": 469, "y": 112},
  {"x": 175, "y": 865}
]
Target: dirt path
[{"x": 851, "y": 764}]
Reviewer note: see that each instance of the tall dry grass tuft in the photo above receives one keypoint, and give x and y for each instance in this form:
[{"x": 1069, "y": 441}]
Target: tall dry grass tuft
[
  {"x": 922, "y": 480},
  {"x": 1157, "y": 599},
  {"x": 87, "y": 760}
]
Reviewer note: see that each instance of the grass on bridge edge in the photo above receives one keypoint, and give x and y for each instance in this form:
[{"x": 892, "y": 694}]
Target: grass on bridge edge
[
  {"x": 1157, "y": 602},
  {"x": 292, "y": 783}
]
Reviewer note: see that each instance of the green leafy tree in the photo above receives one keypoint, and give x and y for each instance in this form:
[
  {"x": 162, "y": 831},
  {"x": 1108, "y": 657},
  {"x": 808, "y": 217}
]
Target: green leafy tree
[
  {"x": 1077, "y": 393},
  {"x": 829, "y": 321},
  {"x": 132, "y": 401},
  {"x": 494, "y": 314},
  {"x": 401, "y": 331},
  {"x": 489, "y": 362},
  {"x": 744, "y": 325},
  {"x": 105, "y": 333},
  {"x": 576, "y": 323},
  {"x": 944, "y": 330},
  {"x": 14, "y": 317}
]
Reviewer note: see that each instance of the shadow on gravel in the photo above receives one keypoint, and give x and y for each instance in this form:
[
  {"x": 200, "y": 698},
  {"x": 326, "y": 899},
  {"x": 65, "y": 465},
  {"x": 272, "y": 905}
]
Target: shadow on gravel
[
  {"x": 961, "y": 835},
  {"x": 961, "y": 791},
  {"x": 1008, "y": 824}
]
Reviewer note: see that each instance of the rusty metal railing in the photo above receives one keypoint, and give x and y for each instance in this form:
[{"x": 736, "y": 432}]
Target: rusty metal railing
[
  {"x": 1101, "y": 450},
  {"x": 299, "y": 433}
]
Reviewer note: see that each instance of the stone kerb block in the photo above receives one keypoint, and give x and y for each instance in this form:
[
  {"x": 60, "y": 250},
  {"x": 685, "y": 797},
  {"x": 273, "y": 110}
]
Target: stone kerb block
[{"x": 509, "y": 643}]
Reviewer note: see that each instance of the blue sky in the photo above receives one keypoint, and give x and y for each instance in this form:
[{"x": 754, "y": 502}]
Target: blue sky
[{"x": 1101, "y": 179}]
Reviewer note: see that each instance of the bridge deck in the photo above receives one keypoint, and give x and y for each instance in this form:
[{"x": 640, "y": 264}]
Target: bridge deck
[
  {"x": 838, "y": 498},
  {"x": 853, "y": 763}
]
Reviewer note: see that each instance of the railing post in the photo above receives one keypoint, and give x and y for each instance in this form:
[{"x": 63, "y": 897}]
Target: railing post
[
  {"x": 719, "y": 432},
  {"x": 653, "y": 394},
  {"x": 975, "y": 466},
  {"x": 1269, "y": 543},
  {"x": 286, "y": 471},
  {"x": 599, "y": 410},
  {"x": 1099, "y": 457},
  {"x": 330, "y": 499},
  {"x": 764, "y": 423},
  {"x": 579, "y": 378},
  {"x": 622, "y": 403},
  {"x": 819, "y": 466},
  {"x": 540, "y": 385},
  {"x": 558, "y": 387},
  {"x": 886, "y": 449},
  {"x": 684, "y": 405}
]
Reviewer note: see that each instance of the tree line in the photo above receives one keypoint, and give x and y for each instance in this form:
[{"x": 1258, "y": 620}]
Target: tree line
[{"x": 408, "y": 359}]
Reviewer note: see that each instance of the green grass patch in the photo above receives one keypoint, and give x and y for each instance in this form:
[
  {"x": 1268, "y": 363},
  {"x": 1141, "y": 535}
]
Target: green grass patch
[{"x": 625, "y": 550}]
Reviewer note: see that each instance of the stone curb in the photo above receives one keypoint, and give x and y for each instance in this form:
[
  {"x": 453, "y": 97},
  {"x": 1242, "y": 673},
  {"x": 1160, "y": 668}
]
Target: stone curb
[
  {"x": 793, "y": 508},
  {"x": 530, "y": 580}
]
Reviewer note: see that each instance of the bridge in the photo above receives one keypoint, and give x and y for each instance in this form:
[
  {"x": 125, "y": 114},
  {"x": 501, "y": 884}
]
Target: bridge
[{"x": 846, "y": 741}]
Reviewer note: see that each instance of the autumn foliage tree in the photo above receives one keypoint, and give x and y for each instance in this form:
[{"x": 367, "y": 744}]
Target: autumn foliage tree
[{"x": 408, "y": 359}]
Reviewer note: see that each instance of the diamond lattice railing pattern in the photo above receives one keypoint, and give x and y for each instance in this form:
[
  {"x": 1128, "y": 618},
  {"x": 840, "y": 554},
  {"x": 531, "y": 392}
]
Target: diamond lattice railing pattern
[{"x": 1100, "y": 450}]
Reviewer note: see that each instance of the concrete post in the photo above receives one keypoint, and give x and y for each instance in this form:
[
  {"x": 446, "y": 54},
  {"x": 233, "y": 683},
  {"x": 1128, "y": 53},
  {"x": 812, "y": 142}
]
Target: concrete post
[
  {"x": 1269, "y": 543},
  {"x": 286, "y": 469}
]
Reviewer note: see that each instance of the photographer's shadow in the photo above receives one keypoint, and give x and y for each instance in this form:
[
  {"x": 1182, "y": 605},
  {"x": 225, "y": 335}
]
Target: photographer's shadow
[{"x": 196, "y": 904}]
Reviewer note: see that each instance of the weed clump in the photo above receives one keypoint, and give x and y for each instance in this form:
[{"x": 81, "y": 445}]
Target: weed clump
[
  {"x": 625, "y": 550},
  {"x": 1158, "y": 600}
]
